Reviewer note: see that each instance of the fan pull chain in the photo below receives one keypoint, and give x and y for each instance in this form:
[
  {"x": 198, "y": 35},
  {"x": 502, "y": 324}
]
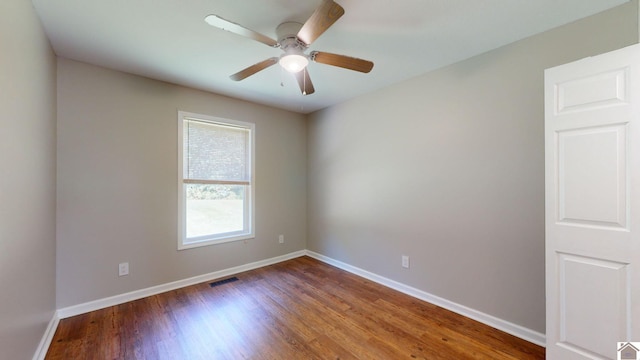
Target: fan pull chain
[
  {"x": 304, "y": 81},
  {"x": 281, "y": 78}
]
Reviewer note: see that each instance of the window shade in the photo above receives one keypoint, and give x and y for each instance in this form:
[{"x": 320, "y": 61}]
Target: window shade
[{"x": 215, "y": 152}]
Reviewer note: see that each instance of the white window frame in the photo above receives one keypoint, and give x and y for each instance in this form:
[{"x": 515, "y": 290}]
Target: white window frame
[{"x": 183, "y": 241}]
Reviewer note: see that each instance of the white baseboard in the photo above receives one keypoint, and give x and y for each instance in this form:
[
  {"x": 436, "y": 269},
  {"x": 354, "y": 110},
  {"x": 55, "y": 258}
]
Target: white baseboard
[
  {"x": 506, "y": 326},
  {"x": 41, "y": 351},
  {"x": 154, "y": 290}
]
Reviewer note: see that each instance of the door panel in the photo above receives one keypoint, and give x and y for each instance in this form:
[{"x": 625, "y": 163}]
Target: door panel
[
  {"x": 604, "y": 281},
  {"x": 593, "y": 91},
  {"x": 591, "y": 176}
]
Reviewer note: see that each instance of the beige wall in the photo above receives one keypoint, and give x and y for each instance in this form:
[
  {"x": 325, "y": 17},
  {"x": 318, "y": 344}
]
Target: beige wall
[
  {"x": 27, "y": 182},
  {"x": 448, "y": 168},
  {"x": 117, "y": 183}
]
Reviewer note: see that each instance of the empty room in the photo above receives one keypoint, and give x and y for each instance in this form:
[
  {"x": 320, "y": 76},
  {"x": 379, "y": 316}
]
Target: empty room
[{"x": 347, "y": 179}]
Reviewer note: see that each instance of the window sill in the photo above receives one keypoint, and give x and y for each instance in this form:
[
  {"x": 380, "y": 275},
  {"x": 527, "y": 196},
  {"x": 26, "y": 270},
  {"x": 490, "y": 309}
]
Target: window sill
[{"x": 195, "y": 244}]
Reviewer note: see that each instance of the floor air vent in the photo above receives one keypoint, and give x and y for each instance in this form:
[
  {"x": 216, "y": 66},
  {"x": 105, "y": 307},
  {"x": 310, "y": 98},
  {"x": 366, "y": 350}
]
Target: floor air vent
[{"x": 224, "y": 281}]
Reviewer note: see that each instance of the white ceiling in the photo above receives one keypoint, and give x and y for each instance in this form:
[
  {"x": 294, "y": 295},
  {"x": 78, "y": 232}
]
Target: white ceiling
[{"x": 169, "y": 40}]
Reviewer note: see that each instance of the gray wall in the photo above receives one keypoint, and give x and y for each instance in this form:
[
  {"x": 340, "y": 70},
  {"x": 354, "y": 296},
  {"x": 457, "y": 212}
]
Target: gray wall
[
  {"x": 449, "y": 169},
  {"x": 118, "y": 191},
  {"x": 27, "y": 182}
]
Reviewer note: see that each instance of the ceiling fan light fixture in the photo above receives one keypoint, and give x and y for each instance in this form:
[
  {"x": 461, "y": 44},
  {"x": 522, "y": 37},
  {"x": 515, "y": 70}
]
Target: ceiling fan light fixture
[{"x": 293, "y": 63}]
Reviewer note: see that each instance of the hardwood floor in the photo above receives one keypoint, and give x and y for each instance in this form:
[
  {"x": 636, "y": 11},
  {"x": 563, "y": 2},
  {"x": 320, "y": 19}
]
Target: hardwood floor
[{"x": 298, "y": 309}]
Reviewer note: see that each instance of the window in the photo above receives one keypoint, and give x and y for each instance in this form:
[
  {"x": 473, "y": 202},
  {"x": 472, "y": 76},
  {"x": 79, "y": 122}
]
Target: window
[{"x": 215, "y": 180}]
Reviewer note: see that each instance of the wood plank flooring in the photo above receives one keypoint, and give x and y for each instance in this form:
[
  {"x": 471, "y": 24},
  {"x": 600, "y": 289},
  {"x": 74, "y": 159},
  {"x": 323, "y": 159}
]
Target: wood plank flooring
[{"x": 298, "y": 309}]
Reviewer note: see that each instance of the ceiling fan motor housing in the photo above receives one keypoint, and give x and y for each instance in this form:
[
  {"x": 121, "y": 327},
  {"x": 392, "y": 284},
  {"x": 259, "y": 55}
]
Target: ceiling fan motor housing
[{"x": 288, "y": 40}]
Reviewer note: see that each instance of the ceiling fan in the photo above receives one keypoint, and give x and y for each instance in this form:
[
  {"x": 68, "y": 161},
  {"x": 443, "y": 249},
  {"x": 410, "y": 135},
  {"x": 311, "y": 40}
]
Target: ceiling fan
[{"x": 294, "y": 39}]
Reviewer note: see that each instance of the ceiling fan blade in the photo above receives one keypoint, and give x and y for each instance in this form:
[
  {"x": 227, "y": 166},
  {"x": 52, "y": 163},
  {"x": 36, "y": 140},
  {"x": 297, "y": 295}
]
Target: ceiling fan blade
[
  {"x": 220, "y": 23},
  {"x": 342, "y": 61},
  {"x": 243, "y": 74},
  {"x": 324, "y": 16},
  {"x": 306, "y": 86}
]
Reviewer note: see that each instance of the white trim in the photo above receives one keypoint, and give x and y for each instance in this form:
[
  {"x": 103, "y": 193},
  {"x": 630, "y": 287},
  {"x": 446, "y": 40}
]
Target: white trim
[
  {"x": 154, "y": 290},
  {"x": 248, "y": 232},
  {"x": 506, "y": 326},
  {"x": 43, "y": 347}
]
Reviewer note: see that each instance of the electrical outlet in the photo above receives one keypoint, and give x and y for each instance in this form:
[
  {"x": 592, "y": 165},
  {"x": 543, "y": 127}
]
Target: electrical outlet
[
  {"x": 281, "y": 239},
  {"x": 405, "y": 261},
  {"x": 123, "y": 269}
]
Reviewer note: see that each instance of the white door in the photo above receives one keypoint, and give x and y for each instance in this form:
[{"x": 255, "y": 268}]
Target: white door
[{"x": 592, "y": 164}]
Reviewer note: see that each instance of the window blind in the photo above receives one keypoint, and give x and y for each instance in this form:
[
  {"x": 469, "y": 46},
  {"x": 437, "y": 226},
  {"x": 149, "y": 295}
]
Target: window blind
[{"x": 215, "y": 154}]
